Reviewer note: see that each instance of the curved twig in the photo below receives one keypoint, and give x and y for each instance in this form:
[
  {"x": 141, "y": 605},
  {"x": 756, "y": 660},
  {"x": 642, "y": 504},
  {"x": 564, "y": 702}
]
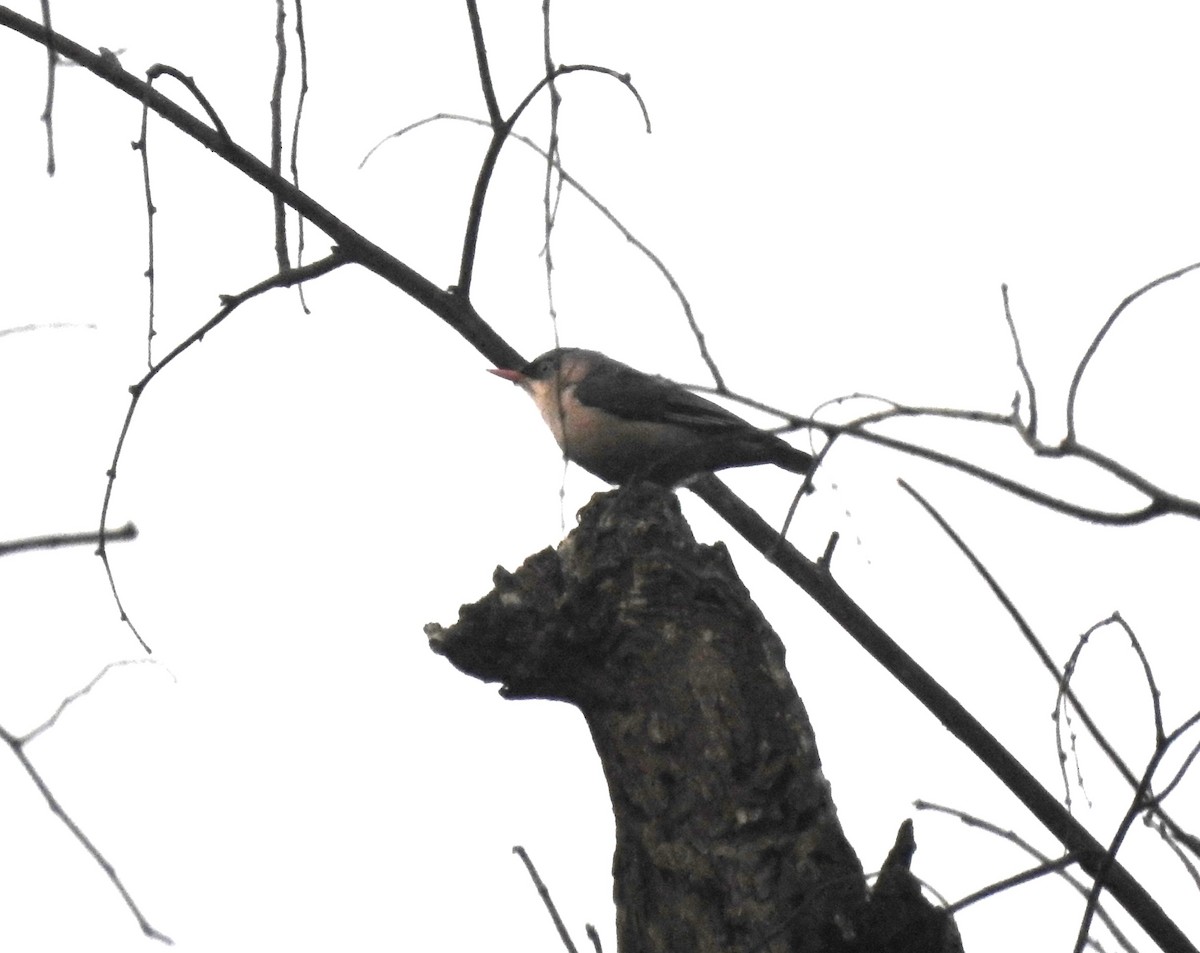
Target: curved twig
[
  {"x": 1031, "y": 427},
  {"x": 229, "y": 303},
  {"x": 600, "y": 207},
  {"x": 162, "y": 69},
  {"x": 1138, "y": 803},
  {"x": 488, "y": 165},
  {"x": 1112, "y": 319}
]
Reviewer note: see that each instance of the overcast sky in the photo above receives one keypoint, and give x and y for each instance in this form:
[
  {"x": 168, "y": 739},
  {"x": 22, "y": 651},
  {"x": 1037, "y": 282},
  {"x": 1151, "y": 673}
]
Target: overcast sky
[{"x": 839, "y": 189}]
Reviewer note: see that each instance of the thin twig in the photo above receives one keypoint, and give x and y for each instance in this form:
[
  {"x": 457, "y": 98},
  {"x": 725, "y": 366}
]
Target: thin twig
[
  {"x": 1014, "y": 838},
  {"x": 142, "y": 146},
  {"x": 488, "y": 165},
  {"x": 302, "y": 45},
  {"x": 546, "y": 899},
  {"x": 1016, "y": 880},
  {"x": 121, "y": 534},
  {"x": 485, "y": 71},
  {"x": 1112, "y": 319},
  {"x": 825, "y": 591},
  {"x": 599, "y": 206},
  {"x": 17, "y": 746},
  {"x": 48, "y": 110},
  {"x": 48, "y": 326},
  {"x": 1174, "y": 844},
  {"x": 453, "y": 309},
  {"x": 1026, "y": 630},
  {"x": 1183, "y": 769},
  {"x": 162, "y": 69},
  {"x": 552, "y": 185},
  {"x": 229, "y": 303},
  {"x": 280, "y": 210},
  {"x": 76, "y": 695},
  {"x": 1137, "y": 804},
  {"x": 1031, "y": 426},
  {"x": 1161, "y": 502}
]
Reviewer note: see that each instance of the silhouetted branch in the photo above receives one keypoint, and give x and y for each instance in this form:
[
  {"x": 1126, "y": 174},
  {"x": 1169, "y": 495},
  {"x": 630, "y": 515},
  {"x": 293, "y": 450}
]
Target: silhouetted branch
[
  {"x": 17, "y": 746},
  {"x": 1045, "y": 862},
  {"x": 819, "y": 583},
  {"x": 1138, "y": 803},
  {"x": 544, "y": 893},
  {"x": 229, "y": 303},
  {"x": 600, "y": 207},
  {"x": 294, "y": 165},
  {"x": 142, "y": 145},
  {"x": 281, "y": 250},
  {"x": 76, "y": 695},
  {"x": 126, "y": 532},
  {"x": 1031, "y": 426},
  {"x": 48, "y": 110},
  {"x": 1092, "y": 348},
  {"x": 451, "y": 308},
  {"x": 488, "y": 165}
]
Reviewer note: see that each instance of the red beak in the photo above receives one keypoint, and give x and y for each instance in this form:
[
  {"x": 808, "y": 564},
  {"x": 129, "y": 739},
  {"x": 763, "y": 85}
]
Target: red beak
[{"x": 515, "y": 376}]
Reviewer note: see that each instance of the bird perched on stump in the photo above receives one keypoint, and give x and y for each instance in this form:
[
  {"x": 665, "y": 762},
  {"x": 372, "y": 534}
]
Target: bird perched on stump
[{"x": 622, "y": 425}]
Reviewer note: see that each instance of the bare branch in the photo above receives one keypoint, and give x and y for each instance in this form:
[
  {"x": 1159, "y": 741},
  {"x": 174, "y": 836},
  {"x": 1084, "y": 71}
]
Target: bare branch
[
  {"x": 1016, "y": 880},
  {"x": 281, "y": 251},
  {"x": 75, "y": 696},
  {"x": 500, "y": 135},
  {"x": 48, "y": 326},
  {"x": 1031, "y": 426},
  {"x": 1112, "y": 319},
  {"x": 142, "y": 145},
  {"x": 485, "y": 71},
  {"x": 162, "y": 69},
  {"x": 1161, "y": 502},
  {"x": 122, "y": 534},
  {"x": 825, "y": 591},
  {"x": 544, "y": 893},
  {"x": 228, "y": 305},
  {"x": 302, "y": 44},
  {"x": 48, "y": 110},
  {"x": 17, "y": 746},
  {"x": 451, "y": 308},
  {"x": 1014, "y": 838},
  {"x": 565, "y": 176},
  {"x": 552, "y": 185},
  {"x": 1061, "y": 679}
]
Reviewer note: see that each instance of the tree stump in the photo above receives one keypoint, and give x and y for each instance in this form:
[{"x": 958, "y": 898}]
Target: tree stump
[{"x": 727, "y": 836}]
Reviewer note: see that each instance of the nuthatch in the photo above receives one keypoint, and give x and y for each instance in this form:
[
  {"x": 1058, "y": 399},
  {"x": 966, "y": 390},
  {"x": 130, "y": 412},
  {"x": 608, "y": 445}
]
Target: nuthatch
[{"x": 621, "y": 424}]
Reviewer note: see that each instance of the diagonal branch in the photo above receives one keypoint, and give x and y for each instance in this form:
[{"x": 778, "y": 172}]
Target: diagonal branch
[
  {"x": 451, "y": 308},
  {"x": 1063, "y": 682},
  {"x": 17, "y": 746},
  {"x": 820, "y": 585}
]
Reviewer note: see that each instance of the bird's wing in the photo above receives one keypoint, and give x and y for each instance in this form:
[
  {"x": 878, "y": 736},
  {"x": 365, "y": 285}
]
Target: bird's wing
[{"x": 633, "y": 395}]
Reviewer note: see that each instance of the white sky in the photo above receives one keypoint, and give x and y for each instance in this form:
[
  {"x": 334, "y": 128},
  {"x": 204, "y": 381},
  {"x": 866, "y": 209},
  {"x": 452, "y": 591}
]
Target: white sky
[{"x": 841, "y": 189}]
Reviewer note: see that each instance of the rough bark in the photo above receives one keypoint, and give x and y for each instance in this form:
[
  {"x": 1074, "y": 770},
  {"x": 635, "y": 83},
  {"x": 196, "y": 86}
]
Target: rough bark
[{"x": 727, "y": 836}]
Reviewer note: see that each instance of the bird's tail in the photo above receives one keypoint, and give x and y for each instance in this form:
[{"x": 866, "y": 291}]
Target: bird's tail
[{"x": 788, "y": 457}]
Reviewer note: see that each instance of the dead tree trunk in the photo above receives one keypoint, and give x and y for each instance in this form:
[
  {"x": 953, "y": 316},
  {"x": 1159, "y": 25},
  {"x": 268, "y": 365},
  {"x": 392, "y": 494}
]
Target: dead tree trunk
[{"x": 727, "y": 837}]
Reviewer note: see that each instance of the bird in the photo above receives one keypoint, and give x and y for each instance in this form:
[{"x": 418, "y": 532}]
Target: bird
[{"x": 624, "y": 425}]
